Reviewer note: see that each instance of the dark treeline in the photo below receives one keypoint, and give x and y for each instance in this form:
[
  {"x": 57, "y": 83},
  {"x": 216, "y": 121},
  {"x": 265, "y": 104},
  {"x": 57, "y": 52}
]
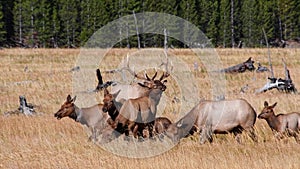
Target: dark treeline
[{"x": 70, "y": 23}]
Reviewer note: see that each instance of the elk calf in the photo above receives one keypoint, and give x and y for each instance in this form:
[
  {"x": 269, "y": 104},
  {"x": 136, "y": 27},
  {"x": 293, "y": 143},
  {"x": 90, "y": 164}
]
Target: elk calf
[{"x": 281, "y": 124}]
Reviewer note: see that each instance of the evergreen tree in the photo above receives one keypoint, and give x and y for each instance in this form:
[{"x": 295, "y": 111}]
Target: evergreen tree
[{"x": 2, "y": 28}]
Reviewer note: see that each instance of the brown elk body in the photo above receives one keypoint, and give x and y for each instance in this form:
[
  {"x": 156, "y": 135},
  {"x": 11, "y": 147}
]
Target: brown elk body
[
  {"x": 93, "y": 117},
  {"x": 220, "y": 117},
  {"x": 140, "y": 113},
  {"x": 137, "y": 114},
  {"x": 281, "y": 124}
]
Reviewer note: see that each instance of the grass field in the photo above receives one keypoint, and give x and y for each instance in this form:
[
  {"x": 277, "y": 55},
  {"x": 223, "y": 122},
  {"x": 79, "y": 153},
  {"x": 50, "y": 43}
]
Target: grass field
[{"x": 44, "y": 77}]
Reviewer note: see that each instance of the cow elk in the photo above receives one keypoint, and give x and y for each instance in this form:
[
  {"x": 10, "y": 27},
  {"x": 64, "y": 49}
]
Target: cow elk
[
  {"x": 93, "y": 117},
  {"x": 281, "y": 124},
  {"x": 219, "y": 117}
]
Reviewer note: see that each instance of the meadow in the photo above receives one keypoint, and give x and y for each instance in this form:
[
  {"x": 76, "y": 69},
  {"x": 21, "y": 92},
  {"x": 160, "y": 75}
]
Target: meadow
[{"x": 42, "y": 141}]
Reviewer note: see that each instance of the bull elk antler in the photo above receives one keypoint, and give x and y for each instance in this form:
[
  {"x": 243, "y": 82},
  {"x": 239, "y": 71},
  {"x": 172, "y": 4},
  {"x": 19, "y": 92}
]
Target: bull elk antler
[
  {"x": 145, "y": 77},
  {"x": 166, "y": 64}
]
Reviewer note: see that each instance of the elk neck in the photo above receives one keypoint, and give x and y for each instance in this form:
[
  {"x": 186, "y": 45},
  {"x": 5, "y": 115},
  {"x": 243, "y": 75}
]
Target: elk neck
[
  {"x": 155, "y": 95},
  {"x": 113, "y": 112},
  {"x": 273, "y": 122},
  {"x": 76, "y": 114}
]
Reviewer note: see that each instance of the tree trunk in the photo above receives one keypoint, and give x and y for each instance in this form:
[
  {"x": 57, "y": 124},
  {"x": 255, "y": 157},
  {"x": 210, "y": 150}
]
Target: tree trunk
[
  {"x": 137, "y": 30},
  {"x": 232, "y": 24},
  {"x": 20, "y": 24}
]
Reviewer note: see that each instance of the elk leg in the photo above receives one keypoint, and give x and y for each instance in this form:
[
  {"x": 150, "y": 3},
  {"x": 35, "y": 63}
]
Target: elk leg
[
  {"x": 206, "y": 134},
  {"x": 135, "y": 131},
  {"x": 150, "y": 128},
  {"x": 278, "y": 135},
  {"x": 92, "y": 134},
  {"x": 252, "y": 135},
  {"x": 297, "y": 138},
  {"x": 294, "y": 134},
  {"x": 237, "y": 131}
]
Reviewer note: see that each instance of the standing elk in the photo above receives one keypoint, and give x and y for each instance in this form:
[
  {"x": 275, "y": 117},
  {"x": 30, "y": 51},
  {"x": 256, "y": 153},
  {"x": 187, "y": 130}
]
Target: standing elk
[
  {"x": 281, "y": 124},
  {"x": 93, "y": 117},
  {"x": 112, "y": 107},
  {"x": 219, "y": 117},
  {"x": 137, "y": 114}
]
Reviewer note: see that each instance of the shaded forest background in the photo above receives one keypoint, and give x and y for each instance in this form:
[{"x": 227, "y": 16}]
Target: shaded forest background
[{"x": 70, "y": 23}]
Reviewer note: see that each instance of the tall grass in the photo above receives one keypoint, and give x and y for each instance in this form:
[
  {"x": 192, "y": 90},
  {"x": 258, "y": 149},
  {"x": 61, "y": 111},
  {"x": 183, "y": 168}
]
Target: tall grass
[{"x": 45, "y": 142}]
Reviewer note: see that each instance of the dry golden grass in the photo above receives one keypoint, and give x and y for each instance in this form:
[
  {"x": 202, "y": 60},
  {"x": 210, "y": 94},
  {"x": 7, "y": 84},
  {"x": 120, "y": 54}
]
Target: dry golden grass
[{"x": 45, "y": 142}]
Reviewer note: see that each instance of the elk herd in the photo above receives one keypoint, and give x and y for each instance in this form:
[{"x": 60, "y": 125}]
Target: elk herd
[{"x": 130, "y": 111}]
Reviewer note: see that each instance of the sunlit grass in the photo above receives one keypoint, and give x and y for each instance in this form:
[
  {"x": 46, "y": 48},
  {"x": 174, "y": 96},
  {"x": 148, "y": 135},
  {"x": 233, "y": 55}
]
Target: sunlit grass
[{"x": 45, "y": 142}]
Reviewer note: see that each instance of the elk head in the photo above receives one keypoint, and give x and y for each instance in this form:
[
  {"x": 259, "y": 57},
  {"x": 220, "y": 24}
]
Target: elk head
[
  {"x": 109, "y": 103},
  {"x": 151, "y": 83},
  {"x": 267, "y": 111},
  {"x": 67, "y": 109}
]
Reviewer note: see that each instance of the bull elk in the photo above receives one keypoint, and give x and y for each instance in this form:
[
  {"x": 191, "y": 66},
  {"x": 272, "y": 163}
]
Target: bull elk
[
  {"x": 281, "y": 124},
  {"x": 137, "y": 114},
  {"x": 129, "y": 91},
  {"x": 219, "y": 117},
  {"x": 93, "y": 117},
  {"x": 112, "y": 107}
]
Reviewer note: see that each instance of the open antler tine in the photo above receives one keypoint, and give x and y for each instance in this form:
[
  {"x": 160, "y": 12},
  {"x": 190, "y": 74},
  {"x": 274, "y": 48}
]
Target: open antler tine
[
  {"x": 132, "y": 71},
  {"x": 162, "y": 77},
  {"x": 148, "y": 78},
  {"x": 154, "y": 75}
]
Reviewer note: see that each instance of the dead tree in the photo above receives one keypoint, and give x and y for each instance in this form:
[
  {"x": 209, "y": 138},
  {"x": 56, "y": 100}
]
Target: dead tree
[
  {"x": 25, "y": 108},
  {"x": 240, "y": 68},
  {"x": 283, "y": 85}
]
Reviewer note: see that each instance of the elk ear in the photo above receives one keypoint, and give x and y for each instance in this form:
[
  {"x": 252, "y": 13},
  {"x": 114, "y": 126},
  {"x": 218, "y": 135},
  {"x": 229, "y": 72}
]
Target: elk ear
[
  {"x": 142, "y": 85},
  {"x": 116, "y": 94},
  {"x": 179, "y": 124},
  {"x": 266, "y": 104},
  {"x": 74, "y": 98},
  {"x": 106, "y": 92},
  {"x": 69, "y": 98},
  {"x": 274, "y": 105},
  {"x": 146, "y": 84}
]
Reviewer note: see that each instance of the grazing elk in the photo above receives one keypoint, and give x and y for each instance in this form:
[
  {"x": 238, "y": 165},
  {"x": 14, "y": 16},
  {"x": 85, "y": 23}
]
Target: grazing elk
[
  {"x": 137, "y": 114},
  {"x": 281, "y": 124},
  {"x": 93, "y": 117},
  {"x": 240, "y": 68},
  {"x": 220, "y": 117}
]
